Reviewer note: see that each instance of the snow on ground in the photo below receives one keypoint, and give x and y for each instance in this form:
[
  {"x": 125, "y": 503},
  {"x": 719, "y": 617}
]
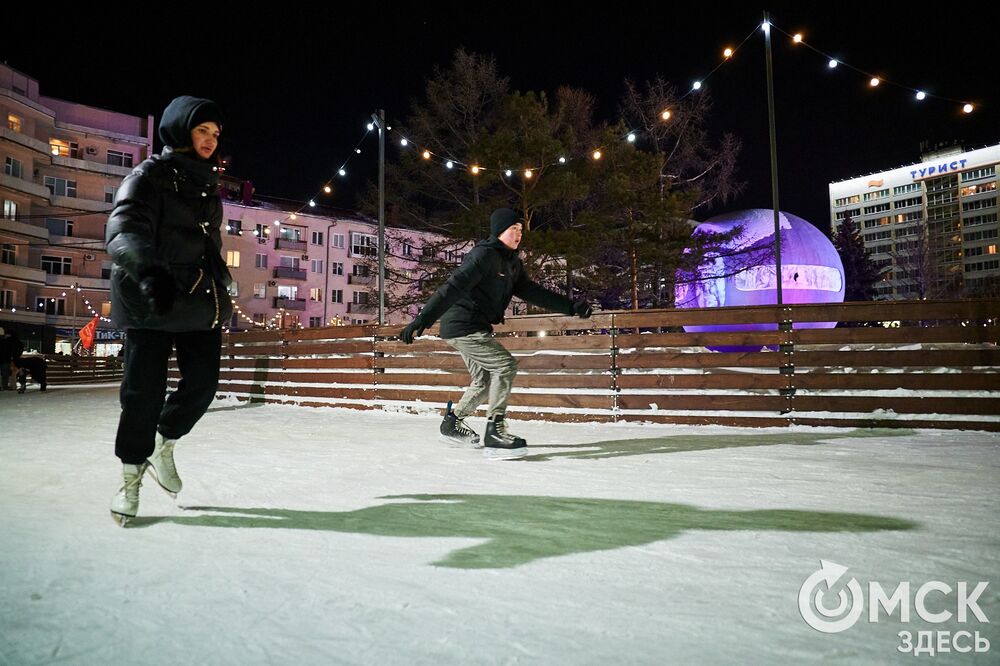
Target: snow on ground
[{"x": 329, "y": 536}]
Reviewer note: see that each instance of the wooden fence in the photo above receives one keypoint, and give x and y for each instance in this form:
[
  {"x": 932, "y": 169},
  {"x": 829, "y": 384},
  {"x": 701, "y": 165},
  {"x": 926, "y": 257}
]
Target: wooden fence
[
  {"x": 913, "y": 364},
  {"x": 83, "y": 369}
]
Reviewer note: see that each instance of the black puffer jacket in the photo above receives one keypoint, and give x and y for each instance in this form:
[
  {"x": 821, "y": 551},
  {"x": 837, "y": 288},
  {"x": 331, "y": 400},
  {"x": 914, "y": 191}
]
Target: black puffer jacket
[
  {"x": 168, "y": 213},
  {"x": 478, "y": 293}
]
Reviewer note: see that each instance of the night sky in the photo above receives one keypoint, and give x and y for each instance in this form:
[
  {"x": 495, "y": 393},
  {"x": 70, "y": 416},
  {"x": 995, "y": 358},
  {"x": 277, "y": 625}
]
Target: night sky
[{"x": 298, "y": 87}]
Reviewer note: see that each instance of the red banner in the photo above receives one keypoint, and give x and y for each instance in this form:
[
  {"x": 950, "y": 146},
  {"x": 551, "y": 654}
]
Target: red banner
[{"x": 87, "y": 333}]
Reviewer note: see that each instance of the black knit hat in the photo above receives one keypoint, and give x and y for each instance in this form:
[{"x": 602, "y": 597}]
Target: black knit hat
[
  {"x": 501, "y": 220},
  {"x": 182, "y": 115}
]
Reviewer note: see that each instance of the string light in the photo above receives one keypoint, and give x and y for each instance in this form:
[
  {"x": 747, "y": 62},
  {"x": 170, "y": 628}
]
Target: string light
[
  {"x": 873, "y": 80},
  {"x": 404, "y": 143},
  {"x": 328, "y": 189},
  {"x": 474, "y": 170},
  {"x": 596, "y": 155},
  {"x": 728, "y": 53},
  {"x": 342, "y": 172},
  {"x": 426, "y": 154},
  {"x": 528, "y": 174},
  {"x": 666, "y": 114},
  {"x": 697, "y": 85},
  {"x": 631, "y": 137}
]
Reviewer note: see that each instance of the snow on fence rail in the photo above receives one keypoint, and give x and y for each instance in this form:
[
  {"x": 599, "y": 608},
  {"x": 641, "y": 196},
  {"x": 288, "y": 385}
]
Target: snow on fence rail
[{"x": 931, "y": 364}]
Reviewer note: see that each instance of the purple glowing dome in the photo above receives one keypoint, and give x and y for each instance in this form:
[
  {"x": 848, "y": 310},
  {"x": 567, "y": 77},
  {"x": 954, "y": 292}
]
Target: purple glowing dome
[{"x": 811, "y": 269}]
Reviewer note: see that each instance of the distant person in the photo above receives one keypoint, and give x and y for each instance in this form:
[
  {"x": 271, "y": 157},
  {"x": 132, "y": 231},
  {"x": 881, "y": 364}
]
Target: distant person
[
  {"x": 6, "y": 359},
  {"x": 474, "y": 298},
  {"x": 35, "y": 365},
  {"x": 169, "y": 292}
]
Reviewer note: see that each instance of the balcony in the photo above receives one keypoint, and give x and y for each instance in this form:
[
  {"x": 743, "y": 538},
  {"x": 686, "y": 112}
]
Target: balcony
[
  {"x": 23, "y": 274},
  {"x": 289, "y": 303},
  {"x": 361, "y": 279},
  {"x": 87, "y": 165},
  {"x": 68, "y": 281},
  {"x": 362, "y": 308},
  {"x": 289, "y": 244},
  {"x": 78, "y": 204},
  {"x": 23, "y": 229},
  {"x": 289, "y": 273},
  {"x": 24, "y": 186}
]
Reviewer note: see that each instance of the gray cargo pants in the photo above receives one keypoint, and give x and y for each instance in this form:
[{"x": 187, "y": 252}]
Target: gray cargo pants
[{"x": 492, "y": 369}]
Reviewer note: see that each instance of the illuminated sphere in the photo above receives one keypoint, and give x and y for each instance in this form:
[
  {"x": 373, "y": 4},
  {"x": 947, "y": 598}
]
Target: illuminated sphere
[{"x": 811, "y": 269}]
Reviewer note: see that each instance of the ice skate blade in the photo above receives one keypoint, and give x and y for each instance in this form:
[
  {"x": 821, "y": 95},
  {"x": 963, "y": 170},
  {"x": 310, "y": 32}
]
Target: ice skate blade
[
  {"x": 457, "y": 443},
  {"x": 495, "y": 453},
  {"x": 152, "y": 472},
  {"x": 121, "y": 520}
]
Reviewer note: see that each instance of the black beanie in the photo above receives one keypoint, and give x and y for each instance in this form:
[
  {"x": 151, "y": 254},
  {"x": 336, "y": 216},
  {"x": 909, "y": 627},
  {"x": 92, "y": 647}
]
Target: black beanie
[
  {"x": 501, "y": 220},
  {"x": 182, "y": 115}
]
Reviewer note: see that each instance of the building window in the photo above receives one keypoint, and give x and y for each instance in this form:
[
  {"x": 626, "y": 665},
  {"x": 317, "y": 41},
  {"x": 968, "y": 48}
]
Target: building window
[
  {"x": 14, "y": 122},
  {"x": 261, "y": 261},
  {"x": 288, "y": 292},
  {"x": 109, "y": 193},
  {"x": 234, "y": 227},
  {"x": 118, "y": 158},
  {"x": 407, "y": 249},
  {"x": 57, "y": 265},
  {"x": 872, "y": 196},
  {"x": 259, "y": 318},
  {"x": 315, "y": 322},
  {"x": 234, "y": 288},
  {"x": 985, "y": 172},
  {"x": 979, "y": 189},
  {"x": 105, "y": 270},
  {"x": 906, "y": 189},
  {"x": 290, "y": 233},
  {"x": 317, "y": 238},
  {"x": 233, "y": 258},
  {"x": 977, "y": 205},
  {"x": 10, "y": 209},
  {"x": 337, "y": 296},
  {"x": 6, "y": 299},
  {"x": 61, "y": 187},
  {"x": 8, "y": 254},
  {"x": 360, "y": 270},
  {"x": 316, "y": 294},
  {"x": 13, "y": 168},
  {"x": 848, "y": 200},
  {"x": 260, "y": 290},
  {"x": 337, "y": 268},
  {"x": 50, "y": 306},
  {"x": 360, "y": 298},
  {"x": 289, "y": 262},
  {"x": 316, "y": 265},
  {"x": 337, "y": 240},
  {"x": 60, "y": 148},
  {"x": 59, "y": 227},
  {"x": 262, "y": 232}
]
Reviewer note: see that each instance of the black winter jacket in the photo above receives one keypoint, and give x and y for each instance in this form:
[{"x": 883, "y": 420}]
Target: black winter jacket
[
  {"x": 478, "y": 293},
  {"x": 168, "y": 213}
]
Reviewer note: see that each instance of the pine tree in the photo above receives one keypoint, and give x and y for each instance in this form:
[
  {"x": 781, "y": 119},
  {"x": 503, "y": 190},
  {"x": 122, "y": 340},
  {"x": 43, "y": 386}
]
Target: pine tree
[{"x": 860, "y": 272}]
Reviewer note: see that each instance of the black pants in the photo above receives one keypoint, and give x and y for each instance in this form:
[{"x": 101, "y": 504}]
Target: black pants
[
  {"x": 144, "y": 411},
  {"x": 35, "y": 366}
]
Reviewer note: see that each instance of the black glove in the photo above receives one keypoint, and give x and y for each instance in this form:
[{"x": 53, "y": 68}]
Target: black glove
[
  {"x": 412, "y": 329},
  {"x": 582, "y": 309},
  {"x": 159, "y": 290}
]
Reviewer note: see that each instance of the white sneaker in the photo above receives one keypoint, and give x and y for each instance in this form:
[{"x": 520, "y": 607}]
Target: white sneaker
[
  {"x": 125, "y": 505},
  {"x": 161, "y": 465}
]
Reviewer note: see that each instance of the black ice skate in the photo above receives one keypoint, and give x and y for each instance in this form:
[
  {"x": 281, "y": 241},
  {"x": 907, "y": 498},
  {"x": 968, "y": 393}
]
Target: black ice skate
[
  {"x": 454, "y": 431},
  {"x": 500, "y": 444}
]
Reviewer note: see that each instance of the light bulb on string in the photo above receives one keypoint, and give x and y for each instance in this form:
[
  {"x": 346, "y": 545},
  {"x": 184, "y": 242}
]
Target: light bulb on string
[
  {"x": 797, "y": 38},
  {"x": 474, "y": 170},
  {"x": 342, "y": 172},
  {"x": 832, "y": 64},
  {"x": 450, "y": 164},
  {"x": 327, "y": 189},
  {"x": 666, "y": 114},
  {"x": 728, "y": 53},
  {"x": 921, "y": 95},
  {"x": 597, "y": 155},
  {"x": 426, "y": 154},
  {"x": 404, "y": 143},
  {"x": 508, "y": 173},
  {"x": 968, "y": 108},
  {"x": 562, "y": 160},
  {"x": 697, "y": 85},
  {"x": 528, "y": 174},
  {"x": 631, "y": 138},
  {"x": 874, "y": 82}
]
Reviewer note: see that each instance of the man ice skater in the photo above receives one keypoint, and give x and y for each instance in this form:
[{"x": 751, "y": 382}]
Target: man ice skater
[{"x": 475, "y": 297}]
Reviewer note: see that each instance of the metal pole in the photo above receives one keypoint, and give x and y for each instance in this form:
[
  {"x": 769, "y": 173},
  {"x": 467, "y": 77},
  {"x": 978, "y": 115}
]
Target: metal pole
[
  {"x": 326, "y": 280},
  {"x": 381, "y": 216},
  {"x": 774, "y": 155}
]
